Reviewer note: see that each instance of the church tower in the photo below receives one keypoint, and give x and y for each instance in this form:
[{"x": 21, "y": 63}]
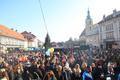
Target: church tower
[{"x": 88, "y": 22}]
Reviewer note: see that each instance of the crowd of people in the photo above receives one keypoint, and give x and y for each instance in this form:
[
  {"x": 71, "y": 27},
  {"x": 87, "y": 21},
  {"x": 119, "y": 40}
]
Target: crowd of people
[{"x": 84, "y": 65}]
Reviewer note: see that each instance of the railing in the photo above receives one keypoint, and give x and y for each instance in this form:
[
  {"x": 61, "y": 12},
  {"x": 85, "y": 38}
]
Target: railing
[{"x": 109, "y": 39}]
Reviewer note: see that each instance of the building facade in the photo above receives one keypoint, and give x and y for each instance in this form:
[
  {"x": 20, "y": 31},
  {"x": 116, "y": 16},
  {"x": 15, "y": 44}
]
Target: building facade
[
  {"x": 10, "y": 38},
  {"x": 110, "y": 30},
  {"x": 91, "y": 31},
  {"x": 82, "y": 38},
  {"x": 104, "y": 34},
  {"x": 30, "y": 40},
  {"x": 92, "y": 38}
]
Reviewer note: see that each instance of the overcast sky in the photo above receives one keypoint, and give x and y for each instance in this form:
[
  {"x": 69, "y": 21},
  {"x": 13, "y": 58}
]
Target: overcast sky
[{"x": 64, "y": 18}]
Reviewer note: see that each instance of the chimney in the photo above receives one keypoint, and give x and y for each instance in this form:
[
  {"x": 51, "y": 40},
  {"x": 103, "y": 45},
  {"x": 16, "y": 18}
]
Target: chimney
[
  {"x": 12, "y": 29},
  {"x": 114, "y": 12},
  {"x": 104, "y": 17}
]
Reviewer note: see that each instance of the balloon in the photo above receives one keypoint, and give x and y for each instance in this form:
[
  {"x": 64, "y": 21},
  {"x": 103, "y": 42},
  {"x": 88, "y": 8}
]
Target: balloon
[
  {"x": 51, "y": 50},
  {"x": 48, "y": 52}
]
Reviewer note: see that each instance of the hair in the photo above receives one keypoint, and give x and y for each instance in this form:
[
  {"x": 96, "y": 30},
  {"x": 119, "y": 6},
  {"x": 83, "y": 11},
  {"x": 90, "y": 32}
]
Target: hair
[
  {"x": 84, "y": 65},
  {"x": 77, "y": 67},
  {"x": 89, "y": 68},
  {"x": 93, "y": 65},
  {"x": 51, "y": 73},
  {"x": 60, "y": 67}
]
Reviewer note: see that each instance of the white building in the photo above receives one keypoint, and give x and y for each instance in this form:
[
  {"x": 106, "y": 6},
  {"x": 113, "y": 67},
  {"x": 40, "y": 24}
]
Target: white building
[
  {"x": 82, "y": 38},
  {"x": 10, "y": 38},
  {"x": 110, "y": 30},
  {"x": 29, "y": 44},
  {"x": 104, "y": 34},
  {"x": 30, "y": 40},
  {"x": 91, "y": 32}
]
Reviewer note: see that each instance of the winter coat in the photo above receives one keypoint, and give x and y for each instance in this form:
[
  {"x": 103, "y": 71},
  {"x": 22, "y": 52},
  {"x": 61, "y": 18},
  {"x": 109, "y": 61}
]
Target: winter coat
[{"x": 87, "y": 76}]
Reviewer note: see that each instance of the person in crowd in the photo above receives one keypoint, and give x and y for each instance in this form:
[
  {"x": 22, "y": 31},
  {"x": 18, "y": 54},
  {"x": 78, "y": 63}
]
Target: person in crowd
[
  {"x": 34, "y": 65},
  {"x": 116, "y": 68},
  {"x": 87, "y": 74},
  {"x": 73, "y": 74},
  {"x": 110, "y": 71},
  {"x": 42, "y": 69},
  {"x": 50, "y": 76},
  {"x": 59, "y": 73},
  {"x": 18, "y": 70},
  {"x": 3, "y": 74},
  {"x": 26, "y": 73},
  {"x": 83, "y": 67},
  {"x": 67, "y": 73},
  {"x": 38, "y": 71},
  {"x": 118, "y": 77},
  {"x": 93, "y": 66},
  {"x": 98, "y": 73},
  {"x": 77, "y": 72},
  {"x": 11, "y": 72}
]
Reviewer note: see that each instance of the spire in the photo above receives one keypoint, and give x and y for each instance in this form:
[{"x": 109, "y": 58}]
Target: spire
[
  {"x": 89, "y": 20},
  {"x": 88, "y": 14}
]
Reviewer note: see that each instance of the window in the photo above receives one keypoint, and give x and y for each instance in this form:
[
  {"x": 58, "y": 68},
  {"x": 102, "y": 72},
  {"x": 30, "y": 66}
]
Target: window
[
  {"x": 10, "y": 41},
  {"x": 119, "y": 25},
  {"x": 109, "y": 27},
  {"x": 7, "y": 40},
  {"x": 90, "y": 28},
  {"x": 110, "y": 35}
]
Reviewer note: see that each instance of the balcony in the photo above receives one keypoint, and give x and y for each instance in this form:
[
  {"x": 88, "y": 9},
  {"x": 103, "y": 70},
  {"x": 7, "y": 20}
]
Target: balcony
[{"x": 109, "y": 39}]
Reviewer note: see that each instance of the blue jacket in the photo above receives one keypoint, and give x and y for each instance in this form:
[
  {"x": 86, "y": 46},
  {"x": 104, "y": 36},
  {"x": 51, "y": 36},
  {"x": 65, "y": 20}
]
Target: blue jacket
[
  {"x": 119, "y": 77},
  {"x": 86, "y": 76}
]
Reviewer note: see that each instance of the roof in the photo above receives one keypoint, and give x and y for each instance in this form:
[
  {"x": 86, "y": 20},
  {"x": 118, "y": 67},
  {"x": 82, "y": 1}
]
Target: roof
[
  {"x": 5, "y": 31},
  {"x": 111, "y": 16},
  {"x": 83, "y": 33},
  {"x": 28, "y": 36}
]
